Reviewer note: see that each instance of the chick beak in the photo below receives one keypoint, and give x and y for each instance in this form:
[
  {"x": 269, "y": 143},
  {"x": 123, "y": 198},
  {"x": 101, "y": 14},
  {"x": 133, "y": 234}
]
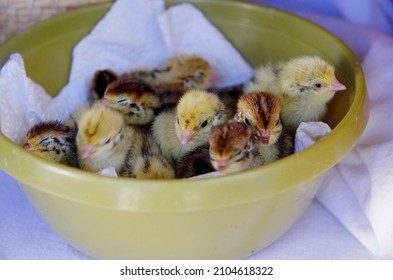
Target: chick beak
[
  {"x": 222, "y": 165},
  {"x": 186, "y": 136},
  {"x": 103, "y": 100},
  {"x": 213, "y": 77},
  {"x": 337, "y": 86},
  {"x": 264, "y": 136},
  {"x": 28, "y": 147},
  {"x": 87, "y": 151}
]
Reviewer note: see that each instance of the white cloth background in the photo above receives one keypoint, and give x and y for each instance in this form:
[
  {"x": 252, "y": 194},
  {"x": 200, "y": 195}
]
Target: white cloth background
[{"x": 324, "y": 232}]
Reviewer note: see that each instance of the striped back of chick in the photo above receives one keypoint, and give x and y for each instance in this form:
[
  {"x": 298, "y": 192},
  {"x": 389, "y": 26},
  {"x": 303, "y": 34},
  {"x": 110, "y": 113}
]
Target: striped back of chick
[
  {"x": 144, "y": 158},
  {"x": 194, "y": 163}
]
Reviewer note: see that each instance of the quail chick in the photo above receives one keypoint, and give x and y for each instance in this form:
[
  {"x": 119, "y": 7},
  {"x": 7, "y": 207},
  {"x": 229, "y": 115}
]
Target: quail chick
[
  {"x": 232, "y": 148},
  {"x": 261, "y": 112},
  {"x": 100, "y": 82},
  {"x": 195, "y": 163},
  {"x": 134, "y": 99},
  {"x": 54, "y": 141},
  {"x": 191, "y": 71},
  {"x": 304, "y": 86},
  {"x": 188, "y": 126},
  {"x": 103, "y": 141}
]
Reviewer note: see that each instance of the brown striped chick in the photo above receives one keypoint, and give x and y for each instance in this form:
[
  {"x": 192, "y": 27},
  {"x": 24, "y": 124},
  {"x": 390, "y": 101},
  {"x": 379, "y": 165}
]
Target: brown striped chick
[
  {"x": 53, "y": 141},
  {"x": 104, "y": 141},
  {"x": 188, "y": 126},
  {"x": 145, "y": 160},
  {"x": 190, "y": 71},
  {"x": 304, "y": 86},
  {"x": 100, "y": 82},
  {"x": 232, "y": 148},
  {"x": 169, "y": 94},
  {"x": 195, "y": 163},
  {"x": 135, "y": 99},
  {"x": 261, "y": 112}
]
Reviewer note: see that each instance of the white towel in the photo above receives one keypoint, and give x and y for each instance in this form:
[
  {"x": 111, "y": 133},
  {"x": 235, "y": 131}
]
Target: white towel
[
  {"x": 132, "y": 34},
  {"x": 358, "y": 191},
  {"x": 22, "y": 101}
]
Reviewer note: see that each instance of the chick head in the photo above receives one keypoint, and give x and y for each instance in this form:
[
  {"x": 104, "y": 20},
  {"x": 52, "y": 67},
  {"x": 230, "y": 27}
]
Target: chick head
[
  {"x": 100, "y": 130},
  {"x": 192, "y": 71},
  {"x": 197, "y": 113},
  {"x": 230, "y": 147},
  {"x": 50, "y": 140},
  {"x": 133, "y": 98},
  {"x": 261, "y": 112},
  {"x": 309, "y": 75},
  {"x": 101, "y": 80}
]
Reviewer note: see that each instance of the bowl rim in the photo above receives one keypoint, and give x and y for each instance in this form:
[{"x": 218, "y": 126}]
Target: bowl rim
[{"x": 172, "y": 194}]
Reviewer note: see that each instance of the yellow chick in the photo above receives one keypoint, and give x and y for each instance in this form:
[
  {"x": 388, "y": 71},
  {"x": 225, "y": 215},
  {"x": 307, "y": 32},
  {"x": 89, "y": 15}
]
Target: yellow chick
[
  {"x": 232, "y": 148},
  {"x": 191, "y": 71},
  {"x": 304, "y": 86},
  {"x": 188, "y": 126},
  {"x": 53, "y": 141},
  {"x": 100, "y": 81},
  {"x": 261, "y": 112},
  {"x": 103, "y": 141},
  {"x": 134, "y": 99}
]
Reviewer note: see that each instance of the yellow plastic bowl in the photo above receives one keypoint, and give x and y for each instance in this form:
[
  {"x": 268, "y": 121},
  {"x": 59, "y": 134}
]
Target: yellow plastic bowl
[{"x": 228, "y": 217}]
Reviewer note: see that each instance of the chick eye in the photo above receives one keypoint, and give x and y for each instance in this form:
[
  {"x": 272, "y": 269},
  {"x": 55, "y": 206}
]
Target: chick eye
[
  {"x": 188, "y": 80},
  {"x": 238, "y": 152},
  {"x": 122, "y": 101},
  {"x": 318, "y": 85},
  {"x": 199, "y": 74},
  {"x": 204, "y": 123},
  {"x": 107, "y": 141},
  {"x": 247, "y": 121},
  {"x": 44, "y": 141}
]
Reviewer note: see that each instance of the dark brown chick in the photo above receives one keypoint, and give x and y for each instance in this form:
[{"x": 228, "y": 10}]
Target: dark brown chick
[
  {"x": 195, "y": 163},
  {"x": 100, "y": 82},
  {"x": 135, "y": 99},
  {"x": 261, "y": 112},
  {"x": 53, "y": 141},
  {"x": 232, "y": 148}
]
